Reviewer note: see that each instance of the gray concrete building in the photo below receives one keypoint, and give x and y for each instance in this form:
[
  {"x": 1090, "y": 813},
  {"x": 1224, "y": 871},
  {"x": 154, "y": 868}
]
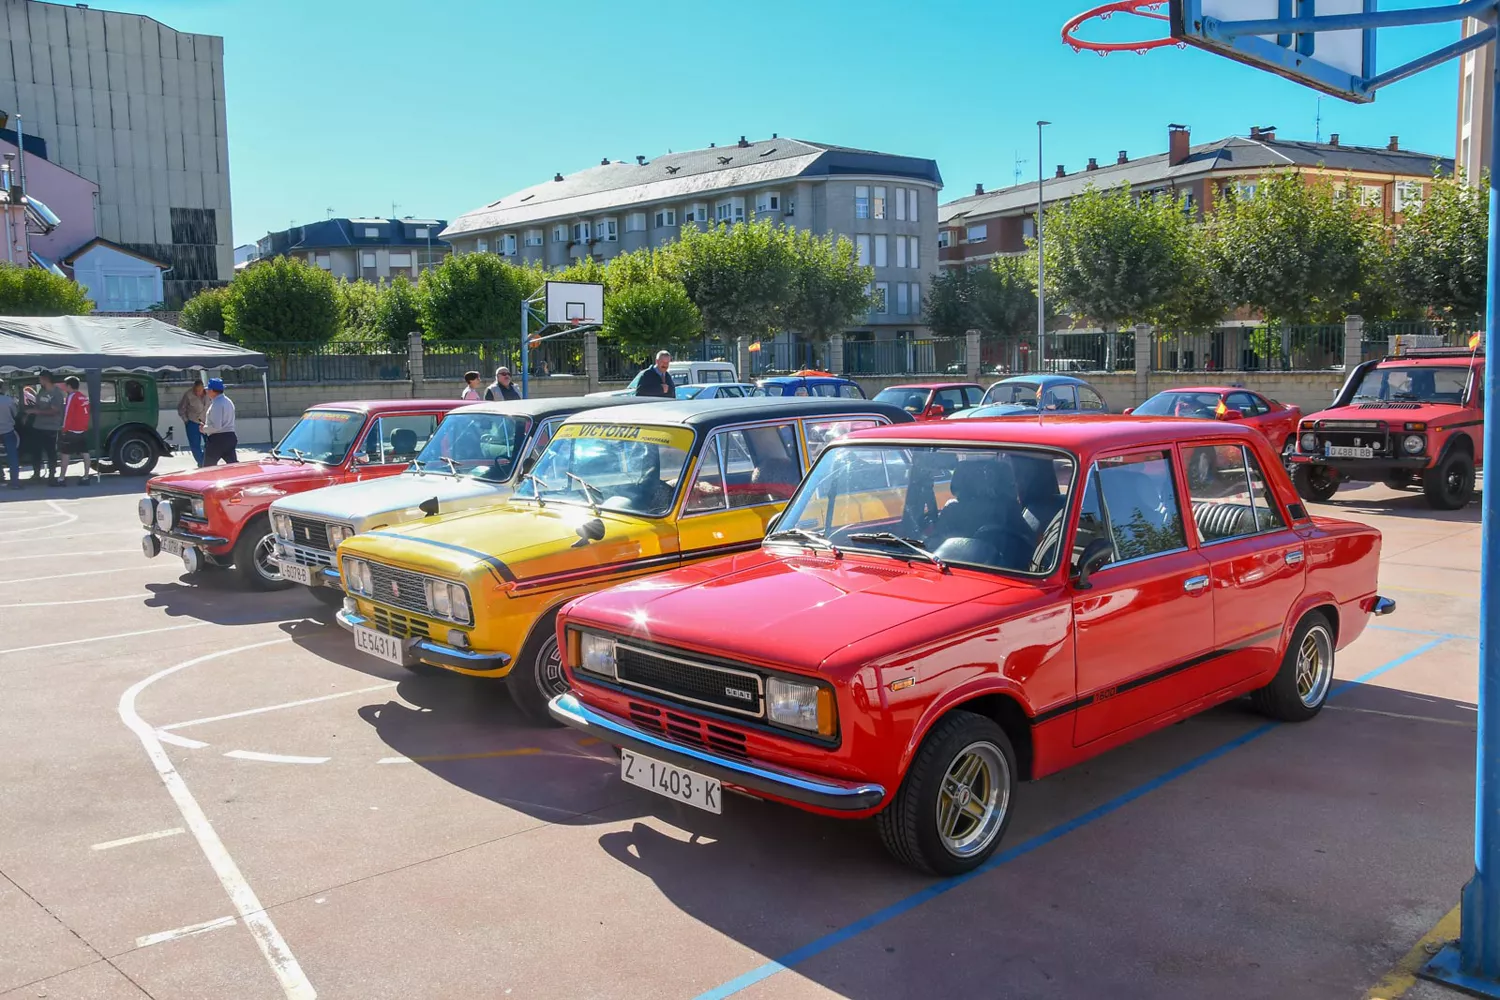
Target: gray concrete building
[
  {"x": 138, "y": 108},
  {"x": 886, "y": 204}
]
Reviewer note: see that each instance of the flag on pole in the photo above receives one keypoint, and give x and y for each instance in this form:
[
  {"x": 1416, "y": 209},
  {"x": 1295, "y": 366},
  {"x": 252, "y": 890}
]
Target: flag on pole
[
  {"x": 754, "y": 347},
  {"x": 1474, "y": 341},
  {"x": 1221, "y": 409}
]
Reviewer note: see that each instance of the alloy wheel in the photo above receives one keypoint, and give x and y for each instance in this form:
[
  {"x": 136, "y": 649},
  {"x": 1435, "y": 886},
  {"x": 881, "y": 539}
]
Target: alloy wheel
[
  {"x": 973, "y": 798},
  {"x": 266, "y": 563},
  {"x": 1314, "y": 666},
  {"x": 548, "y": 667}
]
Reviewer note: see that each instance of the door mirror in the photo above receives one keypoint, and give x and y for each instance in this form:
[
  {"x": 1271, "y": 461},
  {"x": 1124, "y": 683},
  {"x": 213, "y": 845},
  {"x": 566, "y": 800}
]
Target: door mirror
[
  {"x": 1231, "y": 415},
  {"x": 1128, "y": 410},
  {"x": 771, "y": 524},
  {"x": 934, "y": 412},
  {"x": 1095, "y": 557}
]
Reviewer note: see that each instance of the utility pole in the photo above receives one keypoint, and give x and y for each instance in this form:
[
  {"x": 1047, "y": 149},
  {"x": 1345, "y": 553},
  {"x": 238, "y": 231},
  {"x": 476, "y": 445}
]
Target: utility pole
[{"x": 1041, "y": 311}]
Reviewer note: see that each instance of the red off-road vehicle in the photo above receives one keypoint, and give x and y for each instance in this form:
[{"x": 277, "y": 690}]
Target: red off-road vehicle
[{"x": 1411, "y": 418}]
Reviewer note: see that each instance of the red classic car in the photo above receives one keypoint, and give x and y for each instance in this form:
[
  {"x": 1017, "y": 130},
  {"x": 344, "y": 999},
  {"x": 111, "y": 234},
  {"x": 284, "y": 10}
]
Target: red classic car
[
  {"x": 944, "y": 610},
  {"x": 219, "y": 514},
  {"x": 933, "y": 400},
  {"x": 1277, "y": 421}
]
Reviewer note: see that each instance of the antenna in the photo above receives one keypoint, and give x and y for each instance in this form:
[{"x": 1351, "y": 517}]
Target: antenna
[
  {"x": 329, "y": 210},
  {"x": 1318, "y": 121},
  {"x": 1020, "y": 162},
  {"x": 394, "y": 206}
]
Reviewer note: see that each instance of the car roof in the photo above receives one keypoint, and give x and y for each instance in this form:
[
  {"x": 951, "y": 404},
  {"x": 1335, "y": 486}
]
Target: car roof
[
  {"x": 390, "y": 405},
  {"x": 1455, "y": 361},
  {"x": 1045, "y": 378},
  {"x": 1221, "y": 389},
  {"x": 804, "y": 378},
  {"x": 707, "y": 414},
  {"x": 1083, "y": 434},
  {"x": 935, "y": 385},
  {"x": 550, "y": 406}
]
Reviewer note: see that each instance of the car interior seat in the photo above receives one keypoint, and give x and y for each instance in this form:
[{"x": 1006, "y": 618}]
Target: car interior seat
[{"x": 403, "y": 444}]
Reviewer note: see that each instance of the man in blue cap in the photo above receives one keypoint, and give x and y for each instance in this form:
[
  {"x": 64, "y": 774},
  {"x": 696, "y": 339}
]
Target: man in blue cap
[{"x": 219, "y": 440}]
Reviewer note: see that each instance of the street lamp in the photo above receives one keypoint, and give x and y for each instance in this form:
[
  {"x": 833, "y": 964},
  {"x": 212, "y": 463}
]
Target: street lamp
[{"x": 1041, "y": 311}]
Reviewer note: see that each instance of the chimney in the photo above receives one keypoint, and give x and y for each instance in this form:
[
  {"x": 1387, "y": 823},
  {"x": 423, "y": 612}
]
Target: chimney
[
  {"x": 1268, "y": 134},
  {"x": 557, "y": 176},
  {"x": 713, "y": 145},
  {"x": 743, "y": 143},
  {"x": 1395, "y": 144},
  {"x": 1179, "y": 144},
  {"x": 979, "y": 189},
  {"x": 1061, "y": 171},
  {"x": 1093, "y": 164},
  {"x": 641, "y": 160},
  {"x": 1255, "y": 131},
  {"x": 1333, "y": 140},
  {"x": 1122, "y": 158},
  {"x": 604, "y": 162},
  {"x": 775, "y": 136}
]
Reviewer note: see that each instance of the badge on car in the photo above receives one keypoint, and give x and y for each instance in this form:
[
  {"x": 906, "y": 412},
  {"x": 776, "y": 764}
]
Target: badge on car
[{"x": 742, "y": 695}]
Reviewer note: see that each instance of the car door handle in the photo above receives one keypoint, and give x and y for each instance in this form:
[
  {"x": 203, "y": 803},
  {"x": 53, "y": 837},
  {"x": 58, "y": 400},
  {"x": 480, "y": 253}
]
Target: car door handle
[
  {"x": 1294, "y": 557},
  {"x": 1193, "y": 584}
]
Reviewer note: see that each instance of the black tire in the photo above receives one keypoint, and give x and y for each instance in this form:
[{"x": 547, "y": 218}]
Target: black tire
[
  {"x": 134, "y": 454},
  {"x": 909, "y": 824},
  {"x": 1399, "y": 479},
  {"x": 537, "y": 676},
  {"x": 328, "y": 596},
  {"x": 254, "y": 553},
  {"x": 1449, "y": 484},
  {"x": 1291, "y": 697},
  {"x": 1314, "y": 482}
]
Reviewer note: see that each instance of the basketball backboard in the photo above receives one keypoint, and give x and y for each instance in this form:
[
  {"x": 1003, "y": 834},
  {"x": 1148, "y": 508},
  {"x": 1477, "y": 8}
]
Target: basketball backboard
[
  {"x": 574, "y": 303},
  {"x": 1335, "y": 62}
]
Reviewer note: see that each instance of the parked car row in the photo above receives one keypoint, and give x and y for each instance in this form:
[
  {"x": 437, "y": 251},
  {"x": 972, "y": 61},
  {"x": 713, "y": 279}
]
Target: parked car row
[{"x": 814, "y": 600}]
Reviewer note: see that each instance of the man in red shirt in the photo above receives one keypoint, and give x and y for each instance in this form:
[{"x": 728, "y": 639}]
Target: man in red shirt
[{"x": 74, "y": 437}]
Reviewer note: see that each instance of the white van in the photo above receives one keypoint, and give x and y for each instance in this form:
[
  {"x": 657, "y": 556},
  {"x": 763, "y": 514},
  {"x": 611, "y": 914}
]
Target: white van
[{"x": 685, "y": 373}]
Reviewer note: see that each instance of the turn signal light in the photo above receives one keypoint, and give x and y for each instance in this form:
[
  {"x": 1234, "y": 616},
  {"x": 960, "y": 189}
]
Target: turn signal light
[{"x": 827, "y": 714}]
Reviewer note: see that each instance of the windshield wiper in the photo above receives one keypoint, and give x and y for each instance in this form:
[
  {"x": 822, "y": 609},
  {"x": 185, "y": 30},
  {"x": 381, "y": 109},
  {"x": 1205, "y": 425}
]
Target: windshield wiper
[
  {"x": 589, "y": 490},
  {"x": 451, "y": 463},
  {"x": 811, "y": 537},
  {"x": 538, "y": 484},
  {"x": 910, "y": 543}
]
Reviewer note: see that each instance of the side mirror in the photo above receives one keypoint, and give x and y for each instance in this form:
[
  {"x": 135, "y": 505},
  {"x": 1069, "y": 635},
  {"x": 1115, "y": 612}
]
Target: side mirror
[
  {"x": 1095, "y": 557},
  {"x": 1232, "y": 415},
  {"x": 589, "y": 531},
  {"x": 771, "y": 524},
  {"x": 528, "y": 463},
  {"x": 429, "y": 507},
  {"x": 1128, "y": 410},
  {"x": 934, "y": 412}
]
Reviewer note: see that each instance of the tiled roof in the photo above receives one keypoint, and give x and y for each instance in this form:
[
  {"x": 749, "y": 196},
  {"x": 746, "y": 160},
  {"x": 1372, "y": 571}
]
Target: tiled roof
[
  {"x": 683, "y": 176},
  {"x": 332, "y": 233},
  {"x": 1233, "y": 154}
]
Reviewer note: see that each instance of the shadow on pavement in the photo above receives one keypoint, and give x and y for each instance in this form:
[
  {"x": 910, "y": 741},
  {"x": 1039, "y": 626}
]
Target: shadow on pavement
[
  {"x": 1408, "y": 503},
  {"x": 216, "y": 595}
]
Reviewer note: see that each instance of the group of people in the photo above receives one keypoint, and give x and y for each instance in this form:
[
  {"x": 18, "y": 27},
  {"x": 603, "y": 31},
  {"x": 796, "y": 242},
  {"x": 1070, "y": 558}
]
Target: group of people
[
  {"x": 500, "y": 389},
  {"x": 46, "y": 426},
  {"x": 208, "y": 418},
  {"x": 655, "y": 382}
]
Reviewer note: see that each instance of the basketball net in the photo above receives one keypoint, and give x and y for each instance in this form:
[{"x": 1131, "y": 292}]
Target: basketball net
[{"x": 1150, "y": 9}]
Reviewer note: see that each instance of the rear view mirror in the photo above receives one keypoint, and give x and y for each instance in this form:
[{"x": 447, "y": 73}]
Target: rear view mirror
[
  {"x": 1128, "y": 410},
  {"x": 1095, "y": 557},
  {"x": 1231, "y": 415}
]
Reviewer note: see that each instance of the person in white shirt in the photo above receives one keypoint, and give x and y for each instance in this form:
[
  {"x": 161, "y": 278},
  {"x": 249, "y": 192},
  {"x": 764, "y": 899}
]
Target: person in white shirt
[
  {"x": 471, "y": 387},
  {"x": 219, "y": 440}
]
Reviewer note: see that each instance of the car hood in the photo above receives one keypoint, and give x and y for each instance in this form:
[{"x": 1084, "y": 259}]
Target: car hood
[
  {"x": 371, "y": 503},
  {"x": 808, "y": 612},
  {"x": 1390, "y": 413},
  {"x": 267, "y": 473}
]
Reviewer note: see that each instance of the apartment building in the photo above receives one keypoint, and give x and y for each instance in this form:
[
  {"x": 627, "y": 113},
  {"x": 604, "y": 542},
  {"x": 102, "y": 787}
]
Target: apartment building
[
  {"x": 1476, "y": 107},
  {"x": 1388, "y": 179},
  {"x": 886, "y": 204},
  {"x": 138, "y": 109},
  {"x": 372, "y": 249}
]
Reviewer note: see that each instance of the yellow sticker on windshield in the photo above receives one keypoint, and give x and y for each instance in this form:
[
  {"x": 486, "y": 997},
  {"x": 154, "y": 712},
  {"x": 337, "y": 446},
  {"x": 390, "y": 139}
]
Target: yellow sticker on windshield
[{"x": 673, "y": 437}]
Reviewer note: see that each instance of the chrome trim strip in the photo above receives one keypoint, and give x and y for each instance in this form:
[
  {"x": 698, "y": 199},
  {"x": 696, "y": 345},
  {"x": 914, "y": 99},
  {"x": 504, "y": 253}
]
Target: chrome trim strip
[
  {"x": 760, "y": 687},
  {"x": 192, "y": 539}
]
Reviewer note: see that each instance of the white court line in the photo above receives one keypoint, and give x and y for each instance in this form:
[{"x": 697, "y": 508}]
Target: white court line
[
  {"x": 101, "y": 638},
  {"x": 84, "y": 600},
  {"x": 81, "y": 534},
  {"x": 294, "y": 982},
  {"x": 273, "y": 708},
  {"x": 126, "y": 841},
  {"x": 275, "y": 758},
  {"x": 181, "y": 741},
  {"x": 66, "y": 519},
  {"x": 69, "y": 576},
  {"x": 53, "y": 555},
  {"x": 182, "y": 932}
]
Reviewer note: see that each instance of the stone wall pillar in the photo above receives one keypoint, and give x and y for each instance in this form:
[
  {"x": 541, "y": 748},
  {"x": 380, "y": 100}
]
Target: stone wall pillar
[
  {"x": 836, "y": 354},
  {"x": 415, "y": 363},
  {"x": 742, "y": 358},
  {"x": 971, "y": 355},
  {"x": 591, "y": 359},
  {"x": 1354, "y": 342},
  {"x": 1145, "y": 351}
]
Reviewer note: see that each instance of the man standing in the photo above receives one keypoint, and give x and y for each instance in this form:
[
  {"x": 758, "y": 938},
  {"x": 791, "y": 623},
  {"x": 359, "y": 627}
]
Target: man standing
[
  {"x": 656, "y": 382},
  {"x": 73, "y": 441},
  {"x": 501, "y": 388},
  {"x": 46, "y": 420},
  {"x": 471, "y": 388},
  {"x": 190, "y": 408},
  {"x": 10, "y": 412},
  {"x": 219, "y": 440}
]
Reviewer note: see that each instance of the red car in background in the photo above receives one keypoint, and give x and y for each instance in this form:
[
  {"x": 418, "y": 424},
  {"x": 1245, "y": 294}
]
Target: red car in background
[
  {"x": 219, "y": 515},
  {"x": 933, "y": 400},
  {"x": 1276, "y": 421}
]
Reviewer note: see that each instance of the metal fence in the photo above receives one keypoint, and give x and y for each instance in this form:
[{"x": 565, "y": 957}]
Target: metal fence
[
  {"x": 452, "y": 359},
  {"x": 1385, "y": 338},
  {"x": 338, "y": 361},
  {"x": 1252, "y": 348},
  {"x": 905, "y": 356},
  {"x": 779, "y": 356}
]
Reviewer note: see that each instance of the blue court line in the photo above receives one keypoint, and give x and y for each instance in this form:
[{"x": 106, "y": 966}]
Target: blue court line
[
  {"x": 1418, "y": 631},
  {"x": 896, "y": 909}
]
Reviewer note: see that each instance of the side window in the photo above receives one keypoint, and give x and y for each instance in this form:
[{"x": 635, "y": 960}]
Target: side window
[
  {"x": 731, "y": 391},
  {"x": 107, "y": 392},
  {"x": 1229, "y": 494},
  {"x": 1060, "y": 397},
  {"x": 826, "y": 389},
  {"x": 801, "y": 390},
  {"x": 405, "y": 435},
  {"x": 708, "y": 486},
  {"x": 1089, "y": 401},
  {"x": 135, "y": 392},
  {"x": 850, "y": 391},
  {"x": 540, "y": 440},
  {"x": 1092, "y": 525},
  {"x": 1267, "y": 510},
  {"x": 1245, "y": 403},
  {"x": 821, "y": 432},
  {"x": 951, "y": 400},
  {"x": 972, "y": 395},
  {"x": 1140, "y": 504},
  {"x": 760, "y": 464}
]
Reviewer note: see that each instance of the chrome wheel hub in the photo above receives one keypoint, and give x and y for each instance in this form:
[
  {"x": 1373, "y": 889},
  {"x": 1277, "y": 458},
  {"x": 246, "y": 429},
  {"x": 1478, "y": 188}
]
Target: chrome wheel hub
[
  {"x": 1314, "y": 666},
  {"x": 266, "y": 563},
  {"x": 973, "y": 799}
]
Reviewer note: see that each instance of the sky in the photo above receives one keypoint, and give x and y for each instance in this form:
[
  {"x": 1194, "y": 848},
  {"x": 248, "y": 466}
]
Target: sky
[{"x": 442, "y": 106}]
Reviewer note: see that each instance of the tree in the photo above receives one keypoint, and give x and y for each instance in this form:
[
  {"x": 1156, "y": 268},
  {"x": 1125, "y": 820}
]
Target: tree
[
  {"x": 35, "y": 291},
  {"x": 204, "y": 312},
  {"x": 949, "y": 310},
  {"x": 651, "y": 315},
  {"x": 739, "y": 277},
  {"x": 1295, "y": 252},
  {"x": 398, "y": 312},
  {"x": 1003, "y": 298},
  {"x": 281, "y": 300},
  {"x": 828, "y": 291},
  {"x": 358, "y": 301},
  {"x": 1440, "y": 254},
  {"x": 476, "y": 296}
]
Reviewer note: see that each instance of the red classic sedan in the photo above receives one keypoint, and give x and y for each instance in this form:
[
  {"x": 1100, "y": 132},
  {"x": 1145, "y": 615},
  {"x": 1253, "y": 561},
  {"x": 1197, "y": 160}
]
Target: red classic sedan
[
  {"x": 945, "y": 610},
  {"x": 1277, "y": 421},
  {"x": 933, "y": 400}
]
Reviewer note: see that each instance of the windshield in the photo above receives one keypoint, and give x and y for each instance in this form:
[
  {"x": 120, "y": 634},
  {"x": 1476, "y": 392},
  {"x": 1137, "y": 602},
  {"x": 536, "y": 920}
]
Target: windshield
[
  {"x": 482, "y": 445},
  {"x": 323, "y": 436},
  {"x": 1203, "y": 405},
  {"x": 993, "y": 508},
  {"x": 1413, "y": 384},
  {"x": 910, "y": 400},
  {"x": 624, "y": 467},
  {"x": 774, "y": 388},
  {"x": 1014, "y": 393}
]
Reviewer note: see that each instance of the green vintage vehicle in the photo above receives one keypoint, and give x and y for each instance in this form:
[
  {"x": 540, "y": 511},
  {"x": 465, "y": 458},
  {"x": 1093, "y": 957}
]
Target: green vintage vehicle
[{"x": 127, "y": 411}]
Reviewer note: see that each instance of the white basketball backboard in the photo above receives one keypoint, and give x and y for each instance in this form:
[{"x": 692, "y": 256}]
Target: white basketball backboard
[
  {"x": 574, "y": 303},
  {"x": 1335, "y": 62}
]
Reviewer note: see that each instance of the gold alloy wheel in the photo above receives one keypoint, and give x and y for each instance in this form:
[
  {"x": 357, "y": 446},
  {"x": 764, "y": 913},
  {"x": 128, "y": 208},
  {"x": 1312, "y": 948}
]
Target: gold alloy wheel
[
  {"x": 973, "y": 798},
  {"x": 1314, "y": 666}
]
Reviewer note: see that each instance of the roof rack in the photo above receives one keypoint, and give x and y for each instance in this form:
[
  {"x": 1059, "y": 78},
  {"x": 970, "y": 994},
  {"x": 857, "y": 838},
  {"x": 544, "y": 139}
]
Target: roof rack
[{"x": 1435, "y": 352}]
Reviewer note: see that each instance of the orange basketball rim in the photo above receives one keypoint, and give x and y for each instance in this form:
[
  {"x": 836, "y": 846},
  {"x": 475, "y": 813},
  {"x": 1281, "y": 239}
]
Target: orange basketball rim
[{"x": 1150, "y": 9}]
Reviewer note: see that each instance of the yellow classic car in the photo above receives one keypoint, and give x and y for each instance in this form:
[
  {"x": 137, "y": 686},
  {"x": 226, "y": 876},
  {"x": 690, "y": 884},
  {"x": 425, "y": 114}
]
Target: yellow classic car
[{"x": 617, "y": 494}]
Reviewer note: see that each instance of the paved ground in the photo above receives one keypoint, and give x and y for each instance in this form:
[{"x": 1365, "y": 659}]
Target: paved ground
[{"x": 208, "y": 794}]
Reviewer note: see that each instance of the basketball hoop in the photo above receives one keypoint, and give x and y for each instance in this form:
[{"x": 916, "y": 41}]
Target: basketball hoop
[{"x": 1137, "y": 8}]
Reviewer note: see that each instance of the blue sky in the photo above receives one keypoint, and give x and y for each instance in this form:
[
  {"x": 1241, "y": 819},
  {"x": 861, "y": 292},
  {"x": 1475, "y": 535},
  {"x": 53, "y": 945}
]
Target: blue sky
[{"x": 445, "y": 105}]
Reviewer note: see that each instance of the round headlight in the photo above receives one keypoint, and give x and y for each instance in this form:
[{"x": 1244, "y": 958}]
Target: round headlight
[
  {"x": 1413, "y": 444},
  {"x": 145, "y": 509},
  {"x": 1309, "y": 442},
  {"x": 166, "y": 516}
]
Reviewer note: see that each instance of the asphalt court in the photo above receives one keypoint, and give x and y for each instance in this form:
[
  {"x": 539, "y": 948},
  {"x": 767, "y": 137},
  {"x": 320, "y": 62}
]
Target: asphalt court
[{"x": 210, "y": 794}]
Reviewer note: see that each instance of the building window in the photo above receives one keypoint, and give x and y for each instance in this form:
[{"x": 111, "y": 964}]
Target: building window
[
  {"x": 1028, "y": 228},
  {"x": 559, "y": 234},
  {"x": 721, "y": 211},
  {"x": 423, "y": 233},
  {"x": 730, "y": 210},
  {"x": 903, "y": 300},
  {"x": 901, "y": 204},
  {"x": 882, "y": 297},
  {"x": 900, "y": 251},
  {"x": 1463, "y": 156},
  {"x": 791, "y": 207},
  {"x": 861, "y": 202},
  {"x": 977, "y": 234},
  {"x": 1372, "y": 195},
  {"x": 768, "y": 201},
  {"x": 862, "y": 250},
  {"x": 916, "y": 298},
  {"x": 400, "y": 262},
  {"x": 635, "y": 222},
  {"x": 508, "y": 248},
  {"x": 880, "y": 257},
  {"x": 581, "y": 232},
  {"x": 1245, "y": 190},
  {"x": 698, "y": 212},
  {"x": 666, "y": 218},
  {"x": 367, "y": 266},
  {"x": 911, "y": 204},
  {"x": 371, "y": 232},
  {"x": 1408, "y": 195},
  {"x": 533, "y": 237},
  {"x": 483, "y": 246},
  {"x": 323, "y": 261},
  {"x": 739, "y": 209},
  {"x": 945, "y": 238},
  {"x": 1468, "y": 96},
  {"x": 879, "y": 203},
  {"x": 606, "y": 230},
  {"x": 914, "y": 252}
]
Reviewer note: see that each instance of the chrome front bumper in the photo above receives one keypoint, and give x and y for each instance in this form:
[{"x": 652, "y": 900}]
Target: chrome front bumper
[
  {"x": 431, "y": 651},
  {"x": 318, "y": 562},
  {"x": 792, "y": 786}
]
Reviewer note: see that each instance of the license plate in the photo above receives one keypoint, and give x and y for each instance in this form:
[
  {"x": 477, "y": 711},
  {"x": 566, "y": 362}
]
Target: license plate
[
  {"x": 296, "y": 573},
  {"x": 1335, "y": 451},
  {"x": 387, "y": 647},
  {"x": 172, "y": 547},
  {"x": 670, "y": 780}
]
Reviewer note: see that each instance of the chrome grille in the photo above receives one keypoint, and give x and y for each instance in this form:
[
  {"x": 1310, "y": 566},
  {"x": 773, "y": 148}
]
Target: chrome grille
[
  {"x": 685, "y": 729},
  {"x": 311, "y": 558},
  {"x": 313, "y": 534},
  {"x": 399, "y": 625},
  {"x": 723, "y": 688},
  {"x": 181, "y": 501},
  {"x": 400, "y": 588}
]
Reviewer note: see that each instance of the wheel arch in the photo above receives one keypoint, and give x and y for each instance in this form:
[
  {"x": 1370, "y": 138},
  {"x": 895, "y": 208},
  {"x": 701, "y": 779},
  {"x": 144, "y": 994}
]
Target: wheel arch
[
  {"x": 136, "y": 427},
  {"x": 1319, "y": 602},
  {"x": 1001, "y": 705}
]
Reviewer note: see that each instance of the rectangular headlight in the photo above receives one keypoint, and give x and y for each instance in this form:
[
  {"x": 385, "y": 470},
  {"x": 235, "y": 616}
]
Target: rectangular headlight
[
  {"x": 338, "y": 533},
  {"x": 196, "y": 506},
  {"x": 283, "y": 525},
  {"x": 438, "y": 600},
  {"x": 357, "y": 576},
  {"x": 597, "y": 655},
  {"x": 799, "y": 705},
  {"x": 458, "y": 595}
]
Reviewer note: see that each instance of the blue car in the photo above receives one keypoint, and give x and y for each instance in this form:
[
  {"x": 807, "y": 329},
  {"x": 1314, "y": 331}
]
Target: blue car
[
  {"x": 811, "y": 384},
  {"x": 1017, "y": 396}
]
